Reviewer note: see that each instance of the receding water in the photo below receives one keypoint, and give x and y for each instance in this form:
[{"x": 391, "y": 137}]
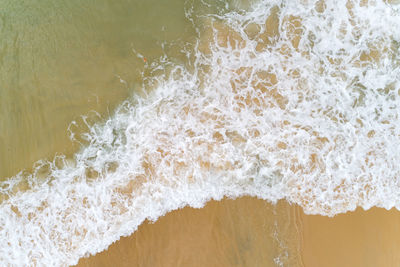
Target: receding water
[{"x": 177, "y": 103}]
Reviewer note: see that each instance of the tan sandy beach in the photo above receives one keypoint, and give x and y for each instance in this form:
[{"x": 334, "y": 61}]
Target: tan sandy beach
[
  {"x": 251, "y": 232},
  {"x": 243, "y": 232},
  {"x": 112, "y": 112}
]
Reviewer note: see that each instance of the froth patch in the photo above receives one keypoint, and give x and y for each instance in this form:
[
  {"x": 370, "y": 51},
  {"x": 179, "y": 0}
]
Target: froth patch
[{"x": 291, "y": 100}]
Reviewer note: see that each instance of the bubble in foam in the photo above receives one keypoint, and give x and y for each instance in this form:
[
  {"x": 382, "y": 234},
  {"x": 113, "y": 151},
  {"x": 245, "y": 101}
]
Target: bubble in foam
[{"x": 293, "y": 99}]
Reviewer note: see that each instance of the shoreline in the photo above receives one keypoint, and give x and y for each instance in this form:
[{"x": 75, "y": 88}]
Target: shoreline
[
  {"x": 252, "y": 232},
  {"x": 222, "y": 233}
]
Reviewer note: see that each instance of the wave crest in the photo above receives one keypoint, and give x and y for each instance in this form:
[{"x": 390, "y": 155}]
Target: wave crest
[{"x": 288, "y": 100}]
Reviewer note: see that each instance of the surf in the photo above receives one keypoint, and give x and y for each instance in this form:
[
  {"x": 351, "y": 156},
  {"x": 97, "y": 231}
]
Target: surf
[{"x": 289, "y": 100}]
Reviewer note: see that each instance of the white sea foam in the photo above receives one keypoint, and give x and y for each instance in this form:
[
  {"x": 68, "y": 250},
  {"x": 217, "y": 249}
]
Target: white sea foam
[{"x": 297, "y": 117}]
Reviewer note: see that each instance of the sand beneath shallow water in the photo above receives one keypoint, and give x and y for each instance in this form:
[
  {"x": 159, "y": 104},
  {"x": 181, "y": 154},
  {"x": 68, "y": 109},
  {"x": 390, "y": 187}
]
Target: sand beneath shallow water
[
  {"x": 252, "y": 232},
  {"x": 285, "y": 115},
  {"x": 360, "y": 238},
  {"x": 243, "y": 232}
]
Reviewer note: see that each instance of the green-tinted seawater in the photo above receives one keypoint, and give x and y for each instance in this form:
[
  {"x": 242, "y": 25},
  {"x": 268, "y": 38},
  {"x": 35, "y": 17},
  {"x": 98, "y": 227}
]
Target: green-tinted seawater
[{"x": 63, "y": 59}]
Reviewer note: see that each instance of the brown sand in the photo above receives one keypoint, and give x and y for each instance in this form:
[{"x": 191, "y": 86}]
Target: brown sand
[
  {"x": 360, "y": 238},
  {"x": 252, "y": 232},
  {"x": 244, "y": 232},
  {"x": 248, "y": 231}
]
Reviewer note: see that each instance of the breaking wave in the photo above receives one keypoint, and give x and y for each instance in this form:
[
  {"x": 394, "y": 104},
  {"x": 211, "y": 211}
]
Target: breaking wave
[{"x": 295, "y": 100}]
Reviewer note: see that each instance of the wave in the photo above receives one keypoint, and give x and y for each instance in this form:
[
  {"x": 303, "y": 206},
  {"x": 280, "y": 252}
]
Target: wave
[{"x": 294, "y": 100}]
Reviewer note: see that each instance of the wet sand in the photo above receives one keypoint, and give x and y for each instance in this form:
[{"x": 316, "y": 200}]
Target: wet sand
[
  {"x": 252, "y": 232},
  {"x": 360, "y": 238},
  {"x": 243, "y": 232}
]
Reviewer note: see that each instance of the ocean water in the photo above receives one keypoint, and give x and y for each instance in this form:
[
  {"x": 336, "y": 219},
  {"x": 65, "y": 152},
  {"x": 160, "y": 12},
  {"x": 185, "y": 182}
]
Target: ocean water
[
  {"x": 294, "y": 100},
  {"x": 63, "y": 60}
]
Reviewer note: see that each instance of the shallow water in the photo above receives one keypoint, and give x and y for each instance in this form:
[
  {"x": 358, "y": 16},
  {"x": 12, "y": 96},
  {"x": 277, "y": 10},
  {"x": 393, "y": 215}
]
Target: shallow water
[
  {"x": 242, "y": 232},
  {"x": 60, "y": 60},
  {"x": 252, "y": 232},
  {"x": 294, "y": 100}
]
